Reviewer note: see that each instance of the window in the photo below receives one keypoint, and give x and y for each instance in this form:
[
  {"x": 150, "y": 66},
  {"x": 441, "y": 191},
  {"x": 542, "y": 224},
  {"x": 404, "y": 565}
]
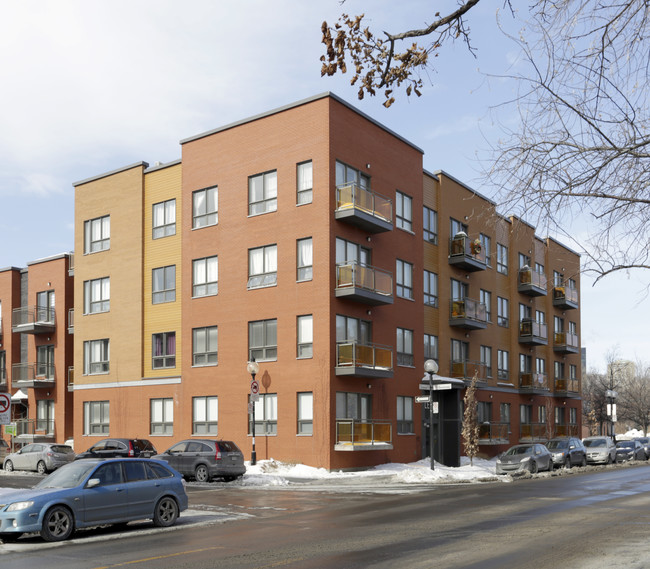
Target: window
[
  {"x": 163, "y": 286},
  {"x": 204, "y": 346},
  {"x": 45, "y": 362},
  {"x": 540, "y": 317},
  {"x": 573, "y": 372},
  {"x": 539, "y": 268},
  {"x": 96, "y": 357},
  {"x": 350, "y": 252},
  {"x": 486, "y": 360},
  {"x": 45, "y": 303},
  {"x": 573, "y": 328},
  {"x": 430, "y": 347},
  {"x": 504, "y": 412},
  {"x": 266, "y": 415},
  {"x": 502, "y": 311},
  {"x": 525, "y": 363},
  {"x": 97, "y": 234},
  {"x": 502, "y": 365},
  {"x": 483, "y": 412},
  {"x": 305, "y": 183},
  {"x": 558, "y": 278},
  {"x": 559, "y": 415},
  {"x": 458, "y": 290},
  {"x": 45, "y": 415},
  {"x": 205, "y": 276},
  {"x": 162, "y": 416},
  {"x": 96, "y": 417},
  {"x": 97, "y": 295},
  {"x": 456, "y": 227},
  {"x": 354, "y": 406},
  {"x": 404, "y": 415},
  {"x": 558, "y": 367},
  {"x": 163, "y": 350},
  {"x": 164, "y": 219},
  {"x": 524, "y": 261},
  {"x": 486, "y": 244},
  {"x": 485, "y": 298},
  {"x": 205, "y": 207},
  {"x": 262, "y": 266},
  {"x": 572, "y": 284},
  {"x": 540, "y": 366},
  {"x": 430, "y": 289},
  {"x": 526, "y": 414},
  {"x": 205, "y": 415},
  {"x": 404, "y": 347},
  {"x": 430, "y": 225},
  {"x": 263, "y": 193},
  {"x": 305, "y": 336},
  {"x": 305, "y": 413},
  {"x": 541, "y": 414},
  {"x": 502, "y": 259},
  {"x": 350, "y": 329},
  {"x": 348, "y": 175},
  {"x": 304, "y": 259},
  {"x": 525, "y": 312},
  {"x": 558, "y": 325},
  {"x": 263, "y": 340},
  {"x": 573, "y": 416},
  {"x": 403, "y": 211},
  {"x": 404, "y": 279},
  {"x": 3, "y": 367}
]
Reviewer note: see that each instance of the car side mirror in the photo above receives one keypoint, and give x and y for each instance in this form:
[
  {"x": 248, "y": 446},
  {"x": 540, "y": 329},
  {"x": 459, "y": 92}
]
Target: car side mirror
[{"x": 93, "y": 482}]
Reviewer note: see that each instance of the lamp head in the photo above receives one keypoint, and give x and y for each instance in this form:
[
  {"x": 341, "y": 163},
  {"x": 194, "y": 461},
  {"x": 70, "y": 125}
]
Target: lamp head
[
  {"x": 430, "y": 366},
  {"x": 253, "y": 367}
]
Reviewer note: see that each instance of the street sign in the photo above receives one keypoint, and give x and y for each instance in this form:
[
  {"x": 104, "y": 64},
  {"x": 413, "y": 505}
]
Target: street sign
[
  {"x": 422, "y": 399},
  {"x": 441, "y": 386},
  {"x": 255, "y": 387},
  {"x": 5, "y": 408},
  {"x": 10, "y": 429},
  {"x": 255, "y": 397}
]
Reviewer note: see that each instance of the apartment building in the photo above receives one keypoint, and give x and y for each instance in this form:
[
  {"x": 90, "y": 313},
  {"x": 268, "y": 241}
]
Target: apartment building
[{"x": 311, "y": 240}]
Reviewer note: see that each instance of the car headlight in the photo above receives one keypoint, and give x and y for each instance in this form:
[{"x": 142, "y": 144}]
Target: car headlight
[
  {"x": 525, "y": 459},
  {"x": 17, "y": 506}
]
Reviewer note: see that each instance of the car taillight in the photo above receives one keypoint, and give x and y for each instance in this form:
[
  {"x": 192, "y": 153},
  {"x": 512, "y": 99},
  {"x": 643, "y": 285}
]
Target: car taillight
[
  {"x": 131, "y": 451},
  {"x": 218, "y": 455}
]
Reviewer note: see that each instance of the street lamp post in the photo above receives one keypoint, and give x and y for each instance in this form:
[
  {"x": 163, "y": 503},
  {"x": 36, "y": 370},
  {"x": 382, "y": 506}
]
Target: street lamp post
[
  {"x": 430, "y": 368},
  {"x": 253, "y": 367}
]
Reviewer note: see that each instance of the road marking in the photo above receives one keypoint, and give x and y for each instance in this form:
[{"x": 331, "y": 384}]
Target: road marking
[{"x": 144, "y": 560}]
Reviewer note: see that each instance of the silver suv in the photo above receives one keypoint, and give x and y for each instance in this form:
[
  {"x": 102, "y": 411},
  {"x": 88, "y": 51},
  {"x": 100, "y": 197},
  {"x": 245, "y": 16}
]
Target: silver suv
[
  {"x": 205, "y": 459},
  {"x": 600, "y": 450}
]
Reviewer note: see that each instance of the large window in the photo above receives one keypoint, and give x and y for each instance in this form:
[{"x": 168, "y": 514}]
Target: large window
[
  {"x": 504, "y": 412},
  {"x": 162, "y": 416},
  {"x": 348, "y": 175},
  {"x": 45, "y": 361},
  {"x": 483, "y": 412},
  {"x": 304, "y": 259},
  {"x": 45, "y": 415},
  {"x": 205, "y": 415},
  {"x": 404, "y": 279},
  {"x": 502, "y": 259},
  {"x": 96, "y": 357},
  {"x": 263, "y": 193},
  {"x": 163, "y": 350},
  {"x": 485, "y": 298},
  {"x": 349, "y": 252},
  {"x": 263, "y": 340},
  {"x": 305, "y": 336},
  {"x": 205, "y": 276},
  {"x": 349, "y": 329},
  {"x": 266, "y": 415},
  {"x": 97, "y": 234},
  {"x": 403, "y": 211},
  {"x": 486, "y": 244},
  {"x": 163, "y": 284},
  {"x": 205, "y": 207},
  {"x": 404, "y": 347},
  {"x": 164, "y": 219},
  {"x": 204, "y": 346},
  {"x": 502, "y": 311},
  {"x": 263, "y": 266},
  {"x": 430, "y": 289},
  {"x": 430, "y": 347},
  {"x": 404, "y": 415},
  {"x": 306, "y": 413},
  {"x": 503, "y": 368},
  {"x": 305, "y": 182},
  {"x": 96, "y": 417},
  {"x": 355, "y": 406},
  {"x": 430, "y": 225},
  {"x": 486, "y": 360},
  {"x": 97, "y": 295}
]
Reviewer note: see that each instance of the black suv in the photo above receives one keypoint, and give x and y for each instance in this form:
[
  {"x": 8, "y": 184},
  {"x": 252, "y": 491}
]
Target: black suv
[
  {"x": 567, "y": 452},
  {"x": 120, "y": 448}
]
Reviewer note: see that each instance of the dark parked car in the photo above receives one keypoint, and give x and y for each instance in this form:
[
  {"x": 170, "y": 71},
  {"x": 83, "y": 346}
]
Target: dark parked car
[
  {"x": 629, "y": 450},
  {"x": 567, "y": 452},
  {"x": 125, "y": 448},
  {"x": 88, "y": 493},
  {"x": 645, "y": 443},
  {"x": 533, "y": 457},
  {"x": 41, "y": 457},
  {"x": 600, "y": 450},
  {"x": 205, "y": 459}
]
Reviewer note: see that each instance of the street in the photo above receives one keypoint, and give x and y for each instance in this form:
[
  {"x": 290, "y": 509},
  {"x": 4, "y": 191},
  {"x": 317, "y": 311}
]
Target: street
[{"x": 588, "y": 519}]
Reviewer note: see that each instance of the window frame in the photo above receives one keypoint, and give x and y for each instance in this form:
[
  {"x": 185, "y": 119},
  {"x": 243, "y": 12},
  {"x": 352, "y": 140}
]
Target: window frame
[
  {"x": 304, "y": 194},
  {"x": 167, "y": 228},
  {"x": 502, "y": 259},
  {"x": 96, "y": 425},
  {"x": 103, "y": 304},
  {"x": 404, "y": 415},
  {"x": 430, "y": 345},
  {"x": 104, "y": 347},
  {"x": 267, "y": 351},
  {"x": 268, "y": 276},
  {"x": 404, "y": 279},
  {"x": 103, "y": 243},
  {"x": 404, "y": 347},
  {"x": 305, "y": 345},
  {"x": 403, "y": 218},
  {"x": 503, "y": 365},
  {"x": 266, "y": 415},
  {"x": 430, "y": 225},
  {"x": 268, "y": 202},
  {"x": 167, "y": 359},
  {"x": 503, "y": 312},
  {"x": 305, "y": 413},
  {"x": 209, "y": 356},
  {"x": 304, "y": 266},
  {"x": 430, "y": 282},
  {"x": 211, "y": 287},
  {"x": 166, "y": 294},
  {"x": 211, "y": 217},
  {"x": 210, "y": 424},
  {"x": 165, "y": 426}
]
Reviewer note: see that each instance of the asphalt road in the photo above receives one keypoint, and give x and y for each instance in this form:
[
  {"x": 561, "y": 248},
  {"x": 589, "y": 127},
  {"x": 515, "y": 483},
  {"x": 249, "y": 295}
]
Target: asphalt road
[{"x": 586, "y": 519}]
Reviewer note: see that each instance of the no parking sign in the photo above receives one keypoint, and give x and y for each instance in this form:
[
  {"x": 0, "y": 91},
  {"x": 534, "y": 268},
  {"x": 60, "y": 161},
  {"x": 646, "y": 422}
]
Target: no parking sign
[{"x": 5, "y": 408}]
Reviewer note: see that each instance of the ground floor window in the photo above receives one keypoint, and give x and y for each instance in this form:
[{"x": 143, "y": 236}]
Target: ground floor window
[
  {"x": 45, "y": 415},
  {"x": 162, "y": 416},
  {"x": 96, "y": 417},
  {"x": 266, "y": 415},
  {"x": 305, "y": 413},
  {"x": 356, "y": 406},
  {"x": 205, "y": 414},
  {"x": 404, "y": 415}
]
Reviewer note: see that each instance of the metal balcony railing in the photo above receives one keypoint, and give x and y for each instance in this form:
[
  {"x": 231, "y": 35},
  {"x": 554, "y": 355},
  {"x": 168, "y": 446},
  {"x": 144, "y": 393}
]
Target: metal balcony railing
[
  {"x": 531, "y": 282},
  {"x": 533, "y": 381},
  {"x": 357, "y": 357},
  {"x": 466, "y": 253},
  {"x": 33, "y": 319},
  {"x": 533, "y": 431},
  {"x": 364, "y": 281},
  {"x": 468, "y": 313},
  {"x": 353, "y": 197},
  {"x": 32, "y": 373},
  {"x": 356, "y": 433},
  {"x": 565, "y": 296},
  {"x": 567, "y": 385},
  {"x": 493, "y": 432},
  {"x": 35, "y": 427},
  {"x": 467, "y": 368},
  {"x": 532, "y": 332}
]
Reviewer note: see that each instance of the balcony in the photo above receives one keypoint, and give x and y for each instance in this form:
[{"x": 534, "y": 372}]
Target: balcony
[
  {"x": 34, "y": 430},
  {"x": 364, "y": 283},
  {"x": 364, "y": 209},
  {"x": 566, "y": 343},
  {"x": 33, "y": 320},
  {"x": 468, "y": 313},
  {"x": 32, "y": 375},
  {"x": 465, "y": 369},
  {"x": 352, "y": 435},
  {"x": 465, "y": 254},
  {"x": 532, "y": 332},
  {"x": 566, "y": 386},
  {"x": 71, "y": 378},
  {"x": 567, "y": 431},
  {"x": 490, "y": 433},
  {"x": 71, "y": 321},
  {"x": 533, "y": 432},
  {"x": 364, "y": 360},
  {"x": 565, "y": 297},
  {"x": 531, "y": 282},
  {"x": 536, "y": 383}
]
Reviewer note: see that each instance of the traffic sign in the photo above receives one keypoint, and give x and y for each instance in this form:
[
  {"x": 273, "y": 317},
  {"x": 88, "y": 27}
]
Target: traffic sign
[
  {"x": 255, "y": 387},
  {"x": 5, "y": 408},
  {"x": 422, "y": 399}
]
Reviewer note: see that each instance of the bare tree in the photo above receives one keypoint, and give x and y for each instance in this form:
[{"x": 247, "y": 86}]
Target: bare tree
[
  {"x": 470, "y": 421},
  {"x": 634, "y": 397},
  {"x": 594, "y": 402}
]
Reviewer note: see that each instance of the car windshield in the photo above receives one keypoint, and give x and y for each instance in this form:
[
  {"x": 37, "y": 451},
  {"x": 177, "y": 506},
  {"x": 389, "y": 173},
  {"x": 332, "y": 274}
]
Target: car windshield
[
  {"x": 625, "y": 444},
  {"x": 594, "y": 442},
  {"x": 519, "y": 450},
  {"x": 557, "y": 444},
  {"x": 67, "y": 476}
]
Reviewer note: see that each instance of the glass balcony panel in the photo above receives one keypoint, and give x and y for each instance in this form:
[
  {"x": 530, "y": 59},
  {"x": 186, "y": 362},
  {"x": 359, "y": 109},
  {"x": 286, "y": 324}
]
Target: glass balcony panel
[{"x": 364, "y": 208}]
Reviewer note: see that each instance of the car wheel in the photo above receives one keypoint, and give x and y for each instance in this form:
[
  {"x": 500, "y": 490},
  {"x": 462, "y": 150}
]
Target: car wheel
[
  {"x": 567, "y": 462},
  {"x": 41, "y": 468},
  {"x": 584, "y": 461},
  {"x": 609, "y": 459},
  {"x": 10, "y": 537},
  {"x": 9, "y": 466},
  {"x": 58, "y": 524},
  {"x": 533, "y": 467},
  {"x": 165, "y": 512},
  {"x": 201, "y": 473}
]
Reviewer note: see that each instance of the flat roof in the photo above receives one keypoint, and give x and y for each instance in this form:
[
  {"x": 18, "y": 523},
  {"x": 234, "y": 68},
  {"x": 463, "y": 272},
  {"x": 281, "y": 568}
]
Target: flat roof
[{"x": 141, "y": 164}]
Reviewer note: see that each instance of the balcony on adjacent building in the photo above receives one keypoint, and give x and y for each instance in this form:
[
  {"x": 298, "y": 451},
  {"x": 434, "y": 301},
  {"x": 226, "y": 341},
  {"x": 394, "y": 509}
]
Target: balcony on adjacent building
[
  {"x": 364, "y": 283},
  {"x": 565, "y": 386},
  {"x": 468, "y": 313},
  {"x": 71, "y": 378},
  {"x": 352, "y": 435},
  {"x": 565, "y": 297},
  {"x": 536, "y": 383},
  {"x": 71, "y": 321},
  {"x": 466, "y": 254},
  {"x": 34, "y": 430},
  {"x": 364, "y": 360},
  {"x": 493, "y": 433},
  {"x": 465, "y": 369},
  {"x": 531, "y": 282},
  {"x": 533, "y": 432},
  {"x": 363, "y": 208},
  {"x": 566, "y": 343},
  {"x": 33, "y": 320},
  {"x": 32, "y": 375},
  {"x": 532, "y": 332}
]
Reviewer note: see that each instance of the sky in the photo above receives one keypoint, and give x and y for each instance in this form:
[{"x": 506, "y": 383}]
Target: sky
[{"x": 88, "y": 87}]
